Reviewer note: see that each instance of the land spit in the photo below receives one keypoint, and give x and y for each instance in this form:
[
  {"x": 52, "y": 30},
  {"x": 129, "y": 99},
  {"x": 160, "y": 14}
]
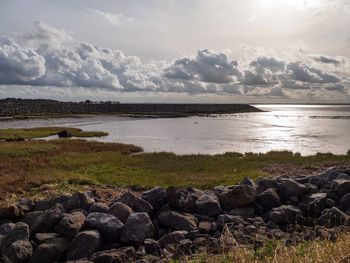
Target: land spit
[
  {"x": 13, "y": 107},
  {"x": 162, "y": 224}
]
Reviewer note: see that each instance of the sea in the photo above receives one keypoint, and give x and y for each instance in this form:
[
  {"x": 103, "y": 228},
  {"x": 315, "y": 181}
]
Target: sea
[{"x": 306, "y": 129}]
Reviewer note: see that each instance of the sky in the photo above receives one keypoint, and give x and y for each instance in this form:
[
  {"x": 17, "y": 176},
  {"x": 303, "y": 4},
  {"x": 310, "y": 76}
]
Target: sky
[{"x": 223, "y": 51}]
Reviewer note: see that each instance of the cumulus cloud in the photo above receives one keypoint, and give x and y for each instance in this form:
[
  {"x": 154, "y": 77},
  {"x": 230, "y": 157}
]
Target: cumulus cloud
[
  {"x": 115, "y": 19},
  {"x": 42, "y": 59}
]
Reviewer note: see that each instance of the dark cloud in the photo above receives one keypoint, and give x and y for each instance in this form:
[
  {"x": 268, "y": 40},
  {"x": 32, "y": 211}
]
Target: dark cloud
[
  {"x": 327, "y": 60},
  {"x": 304, "y": 73}
]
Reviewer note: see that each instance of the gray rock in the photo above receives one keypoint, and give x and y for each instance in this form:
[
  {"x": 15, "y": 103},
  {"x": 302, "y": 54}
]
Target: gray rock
[
  {"x": 265, "y": 183},
  {"x": 243, "y": 212},
  {"x": 208, "y": 205},
  {"x": 219, "y": 189},
  {"x": 238, "y": 196},
  {"x": 248, "y": 181},
  {"x": 52, "y": 251},
  {"x": 173, "y": 237},
  {"x": 288, "y": 188},
  {"x": 79, "y": 200},
  {"x": 44, "y": 222},
  {"x": 84, "y": 244},
  {"x": 16, "y": 246},
  {"x": 10, "y": 210},
  {"x": 269, "y": 199},
  {"x": 157, "y": 197},
  {"x": 70, "y": 224},
  {"x": 285, "y": 214},
  {"x": 184, "y": 247},
  {"x": 137, "y": 228},
  {"x": 45, "y": 204},
  {"x": 6, "y": 228},
  {"x": 206, "y": 227},
  {"x": 120, "y": 211},
  {"x": 181, "y": 199},
  {"x": 98, "y": 207},
  {"x": 333, "y": 217},
  {"x": 107, "y": 224},
  {"x": 329, "y": 203},
  {"x": 341, "y": 187},
  {"x": 44, "y": 237},
  {"x": 344, "y": 203},
  {"x": 313, "y": 205},
  {"x": 177, "y": 220},
  {"x": 152, "y": 247},
  {"x": 124, "y": 254},
  {"x": 26, "y": 204},
  {"x": 137, "y": 204},
  {"x": 228, "y": 219}
]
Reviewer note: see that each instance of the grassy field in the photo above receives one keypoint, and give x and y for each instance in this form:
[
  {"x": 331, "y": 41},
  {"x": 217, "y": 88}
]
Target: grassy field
[
  {"x": 6, "y": 134},
  {"x": 28, "y": 164}
]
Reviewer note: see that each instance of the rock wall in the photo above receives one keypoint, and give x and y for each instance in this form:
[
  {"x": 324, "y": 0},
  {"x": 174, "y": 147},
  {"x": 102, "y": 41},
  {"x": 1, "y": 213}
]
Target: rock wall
[
  {"x": 11, "y": 109},
  {"x": 172, "y": 223}
]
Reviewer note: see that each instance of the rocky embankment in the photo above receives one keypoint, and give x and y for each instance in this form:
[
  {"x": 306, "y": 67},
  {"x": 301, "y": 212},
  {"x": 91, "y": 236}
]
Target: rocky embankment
[
  {"x": 27, "y": 107},
  {"x": 172, "y": 223}
]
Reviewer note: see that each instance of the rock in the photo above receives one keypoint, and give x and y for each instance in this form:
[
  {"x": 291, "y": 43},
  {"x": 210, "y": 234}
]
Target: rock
[
  {"x": 107, "y": 224},
  {"x": 228, "y": 219},
  {"x": 266, "y": 183},
  {"x": 329, "y": 203},
  {"x": 206, "y": 227},
  {"x": 16, "y": 246},
  {"x": 185, "y": 247},
  {"x": 157, "y": 197},
  {"x": 44, "y": 237},
  {"x": 219, "y": 189},
  {"x": 333, "y": 217},
  {"x": 10, "y": 210},
  {"x": 70, "y": 224},
  {"x": 26, "y": 204},
  {"x": 120, "y": 211},
  {"x": 137, "y": 204},
  {"x": 52, "y": 251},
  {"x": 180, "y": 199},
  {"x": 269, "y": 199},
  {"x": 6, "y": 228},
  {"x": 137, "y": 228},
  {"x": 84, "y": 244},
  {"x": 99, "y": 207},
  {"x": 288, "y": 188},
  {"x": 79, "y": 200},
  {"x": 177, "y": 220},
  {"x": 208, "y": 205},
  {"x": 152, "y": 247},
  {"x": 173, "y": 237},
  {"x": 44, "y": 222},
  {"x": 344, "y": 203},
  {"x": 248, "y": 181},
  {"x": 45, "y": 204},
  {"x": 203, "y": 218},
  {"x": 243, "y": 212},
  {"x": 125, "y": 254},
  {"x": 285, "y": 214},
  {"x": 313, "y": 205},
  {"x": 341, "y": 187},
  {"x": 238, "y": 196}
]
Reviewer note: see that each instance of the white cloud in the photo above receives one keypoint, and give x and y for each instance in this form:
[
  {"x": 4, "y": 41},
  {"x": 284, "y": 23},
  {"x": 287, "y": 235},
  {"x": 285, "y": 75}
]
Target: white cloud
[{"x": 115, "y": 19}]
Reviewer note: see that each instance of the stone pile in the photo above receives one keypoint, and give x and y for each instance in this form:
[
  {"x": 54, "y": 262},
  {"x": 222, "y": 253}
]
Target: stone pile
[{"x": 173, "y": 222}]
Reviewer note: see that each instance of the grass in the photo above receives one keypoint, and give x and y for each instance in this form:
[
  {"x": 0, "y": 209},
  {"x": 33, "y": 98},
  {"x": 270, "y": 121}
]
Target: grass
[
  {"x": 6, "y": 134},
  {"x": 324, "y": 251},
  {"x": 28, "y": 164}
]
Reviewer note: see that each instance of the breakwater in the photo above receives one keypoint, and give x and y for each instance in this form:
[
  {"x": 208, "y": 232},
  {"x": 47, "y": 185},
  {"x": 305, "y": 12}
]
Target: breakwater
[{"x": 22, "y": 108}]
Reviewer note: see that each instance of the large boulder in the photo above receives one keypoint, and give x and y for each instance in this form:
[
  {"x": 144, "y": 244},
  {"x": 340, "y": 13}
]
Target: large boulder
[
  {"x": 269, "y": 199},
  {"x": 79, "y": 200},
  {"x": 177, "y": 220},
  {"x": 288, "y": 188},
  {"x": 157, "y": 197},
  {"x": 10, "y": 210},
  {"x": 333, "y": 217},
  {"x": 107, "y": 224},
  {"x": 208, "y": 205},
  {"x": 84, "y": 244},
  {"x": 341, "y": 186},
  {"x": 228, "y": 219},
  {"x": 344, "y": 202},
  {"x": 137, "y": 228},
  {"x": 137, "y": 204},
  {"x": 45, "y": 204},
  {"x": 181, "y": 199},
  {"x": 70, "y": 224},
  {"x": 285, "y": 214},
  {"x": 16, "y": 246},
  {"x": 6, "y": 228},
  {"x": 120, "y": 211},
  {"x": 313, "y": 205},
  {"x": 237, "y": 196},
  {"x": 53, "y": 250},
  {"x": 44, "y": 221}
]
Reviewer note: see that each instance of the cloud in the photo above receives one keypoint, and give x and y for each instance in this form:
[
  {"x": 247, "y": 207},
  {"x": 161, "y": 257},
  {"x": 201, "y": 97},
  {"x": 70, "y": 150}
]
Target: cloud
[
  {"x": 44, "y": 59},
  {"x": 115, "y": 19}
]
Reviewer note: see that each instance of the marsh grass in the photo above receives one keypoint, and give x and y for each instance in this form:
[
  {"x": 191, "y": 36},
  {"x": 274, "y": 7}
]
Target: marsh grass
[{"x": 31, "y": 133}]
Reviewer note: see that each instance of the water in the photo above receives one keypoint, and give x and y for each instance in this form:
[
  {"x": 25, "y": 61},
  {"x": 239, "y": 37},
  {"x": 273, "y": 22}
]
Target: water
[{"x": 307, "y": 129}]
